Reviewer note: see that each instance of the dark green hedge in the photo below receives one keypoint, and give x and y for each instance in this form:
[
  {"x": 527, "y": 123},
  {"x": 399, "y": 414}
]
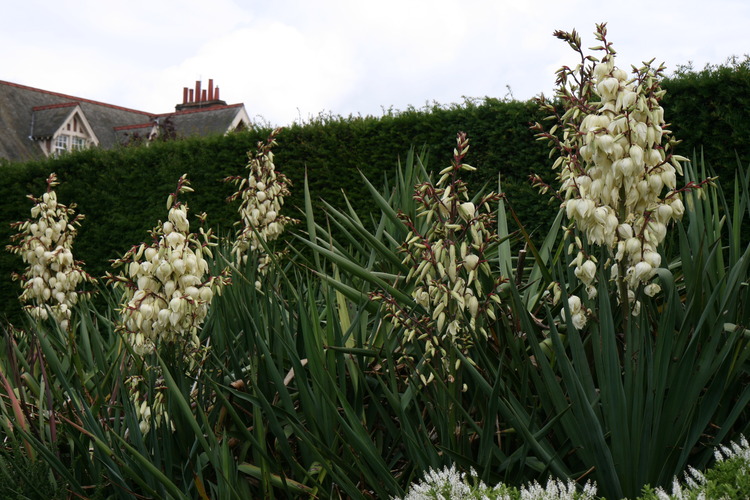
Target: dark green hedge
[
  {"x": 333, "y": 151},
  {"x": 709, "y": 111},
  {"x": 123, "y": 192}
]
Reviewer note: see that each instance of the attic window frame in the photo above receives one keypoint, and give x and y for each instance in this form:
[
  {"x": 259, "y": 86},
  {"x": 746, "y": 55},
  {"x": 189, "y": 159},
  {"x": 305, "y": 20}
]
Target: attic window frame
[
  {"x": 77, "y": 138},
  {"x": 60, "y": 143}
]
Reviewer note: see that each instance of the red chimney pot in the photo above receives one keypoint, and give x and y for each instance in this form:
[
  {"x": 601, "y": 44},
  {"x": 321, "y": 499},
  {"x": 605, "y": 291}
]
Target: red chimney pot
[
  {"x": 197, "y": 90},
  {"x": 210, "y": 89}
]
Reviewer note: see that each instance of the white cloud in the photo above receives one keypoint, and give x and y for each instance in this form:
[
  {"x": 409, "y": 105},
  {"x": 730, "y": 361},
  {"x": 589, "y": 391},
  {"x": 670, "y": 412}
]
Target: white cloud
[
  {"x": 273, "y": 68},
  {"x": 292, "y": 58}
]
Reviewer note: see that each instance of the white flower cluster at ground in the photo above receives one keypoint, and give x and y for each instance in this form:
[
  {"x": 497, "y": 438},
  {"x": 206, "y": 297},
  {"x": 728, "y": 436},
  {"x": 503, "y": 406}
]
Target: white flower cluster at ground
[{"x": 450, "y": 484}]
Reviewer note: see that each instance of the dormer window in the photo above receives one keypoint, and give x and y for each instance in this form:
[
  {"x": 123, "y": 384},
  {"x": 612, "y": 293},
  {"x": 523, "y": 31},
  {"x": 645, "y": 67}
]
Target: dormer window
[{"x": 62, "y": 128}]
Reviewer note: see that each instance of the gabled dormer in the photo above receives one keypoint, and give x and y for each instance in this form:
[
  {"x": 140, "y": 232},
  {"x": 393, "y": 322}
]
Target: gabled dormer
[
  {"x": 240, "y": 122},
  {"x": 59, "y": 128}
]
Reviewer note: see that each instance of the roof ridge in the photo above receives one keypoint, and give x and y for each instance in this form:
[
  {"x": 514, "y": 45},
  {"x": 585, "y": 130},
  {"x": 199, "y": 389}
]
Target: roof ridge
[
  {"x": 79, "y": 99},
  {"x": 200, "y": 110},
  {"x": 136, "y": 125},
  {"x": 53, "y": 106}
]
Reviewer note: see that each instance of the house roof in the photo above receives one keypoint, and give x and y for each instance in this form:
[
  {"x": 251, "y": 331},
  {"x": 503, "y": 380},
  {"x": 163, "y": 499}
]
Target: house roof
[
  {"x": 204, "y": 121},
  {"x": 29, "y": 114},
  {"x": 46, "y": 120}
]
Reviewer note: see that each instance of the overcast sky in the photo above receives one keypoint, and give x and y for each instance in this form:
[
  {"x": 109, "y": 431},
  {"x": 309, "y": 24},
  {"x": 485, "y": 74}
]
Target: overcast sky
[{"x": 288, "y": 60}]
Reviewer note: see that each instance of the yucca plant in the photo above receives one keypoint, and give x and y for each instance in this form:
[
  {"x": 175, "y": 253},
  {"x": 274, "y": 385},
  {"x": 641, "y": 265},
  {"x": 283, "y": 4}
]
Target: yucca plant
[
  {"x": 420, "y": 336},
  {"x": 459, "y": 418},
  {"x": 643, "y": 383}
]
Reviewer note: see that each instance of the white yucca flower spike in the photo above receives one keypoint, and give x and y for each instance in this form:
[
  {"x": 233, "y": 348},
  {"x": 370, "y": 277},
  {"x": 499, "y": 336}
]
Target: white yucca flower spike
[
  {"x": 149, "y": 411},
  {"x": 167, "y": 288},
  {"x": 616, "y": 167},
  {"x": 51, "y": 279},
  {"x": 448, "y": 270},
  {"x": 261, "y": 194}
]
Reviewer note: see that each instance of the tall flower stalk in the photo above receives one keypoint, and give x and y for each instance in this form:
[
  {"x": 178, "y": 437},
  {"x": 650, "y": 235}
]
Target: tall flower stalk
[
  {"x": 261, "y": 194},
  {"x": 452, "y": 283},
  {"x": 167, "y": 288},
  {"x": 616, "y": 167},
  {"x": 640, "y": 384},
  {"x": 44, "y": 242}
]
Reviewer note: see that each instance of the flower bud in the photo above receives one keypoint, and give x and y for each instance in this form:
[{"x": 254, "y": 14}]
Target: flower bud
[
  {"x": 664, "y": 213},
  {"x": 678, "y": 209},
  {"x": 175, "y": 304},
  {"x": 586, "y": 272},
  {"x": 633, "y": 246},
  {"x": 163, "y": 316},
  {"x": 146, "y": 311},
  {"x": 605, "y": 142},
  {"x": 466, "y": 211},
  {"x": 607, "y": 88},
  {"x": 471, "y": 261},
  {"x": 625, "y": 231},
  {"x": 669, "y": 178},
  {"x": 652, "y": 289},
  {"x": 656, "y": 183},
  {"x": 601, "y": 70},
  {"x": 178, "y": 266},
  {"x": 642, "y": 271},
  {"x": 579, "y": 320},
  {"x": 653, "y": 258},
  {"x": 192, "y": 292},
  {"x": 574, "y": 304}
]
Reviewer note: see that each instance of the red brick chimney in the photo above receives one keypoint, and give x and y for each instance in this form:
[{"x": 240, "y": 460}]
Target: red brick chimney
[{"x": 200, "y": 98}]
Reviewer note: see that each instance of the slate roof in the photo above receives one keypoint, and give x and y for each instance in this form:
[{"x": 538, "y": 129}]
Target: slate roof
[
  {"x": 125, "y": 133},
  {"x": 204, "y": 121},
  {"x": 47, "y": 119},
  {"x": 28, "y": 114}
]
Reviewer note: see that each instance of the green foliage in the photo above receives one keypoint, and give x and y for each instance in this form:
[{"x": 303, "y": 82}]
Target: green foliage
[
  {"x": 707, "y": 110},
  {"x": 728, "y": 479},
  {"x": 304, "y": 392},
  {"x": 24, "y": 479}
]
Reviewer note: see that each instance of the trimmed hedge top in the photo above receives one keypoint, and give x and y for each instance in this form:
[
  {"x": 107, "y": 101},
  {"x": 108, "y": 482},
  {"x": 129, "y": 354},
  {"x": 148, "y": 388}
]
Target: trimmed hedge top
[{"x": 121, "y": 191}]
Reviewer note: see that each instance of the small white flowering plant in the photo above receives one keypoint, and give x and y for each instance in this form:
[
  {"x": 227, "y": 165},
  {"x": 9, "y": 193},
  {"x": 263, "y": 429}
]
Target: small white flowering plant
[
  {"x": 728, "y": 478},
  {"x": 52, "y": 276},
  {"x": 167, "y": 287},
  {"x": 261, "y": 194},
  {"x": 451, "y": 484},
  {"x": 456, "y": 294}
]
